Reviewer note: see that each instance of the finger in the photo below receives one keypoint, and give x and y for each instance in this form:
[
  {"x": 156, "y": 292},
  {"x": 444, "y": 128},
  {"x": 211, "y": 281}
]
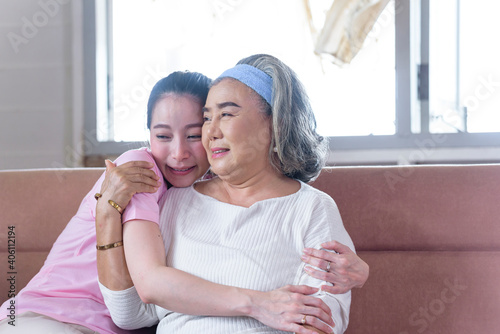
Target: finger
[
  {"x": 341, "y": 281},
  {"x": 317, "y": 308},
  {"x": 141, "y": 179},
  {"x": 318, "y": 314},
  {"x": 336, "y": 246},
  {"x": 129, "y": 168},
  {"x": 318, "y": 258},
  {"x": 303, "y": 289},
  {"x": 141, "y": 187},
  {"x": 336, "y": 289},
  {"x": 320, "y": 253},
  {"x": 109, "y": 165},
  {"x": 322, "y": 275},
  {"x": 121, "y": 175},
  {"x": 315, "y": 324},
  {"x": 142, "y": 171},
  {"x": 133, "y": 184},
  {"x": 301, "y": 329},
  {"x": 138, "y": 163}
]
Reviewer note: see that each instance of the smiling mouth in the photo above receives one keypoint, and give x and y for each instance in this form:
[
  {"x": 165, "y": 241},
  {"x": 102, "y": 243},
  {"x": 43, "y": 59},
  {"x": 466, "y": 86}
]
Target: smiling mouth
[
  {"x": 220, "y": 151},
  {"x": 181, "y": 170}
]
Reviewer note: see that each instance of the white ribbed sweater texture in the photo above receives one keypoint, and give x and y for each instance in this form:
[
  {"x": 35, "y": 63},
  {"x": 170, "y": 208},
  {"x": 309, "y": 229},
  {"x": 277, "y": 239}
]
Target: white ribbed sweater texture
[{"x": 256, "y": 248}]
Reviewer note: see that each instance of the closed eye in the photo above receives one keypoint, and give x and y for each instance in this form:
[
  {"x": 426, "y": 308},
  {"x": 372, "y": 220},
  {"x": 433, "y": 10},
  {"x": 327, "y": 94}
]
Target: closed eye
[
  {"x": 163, "y": 137},
  {"x": 194, "y": 137}
]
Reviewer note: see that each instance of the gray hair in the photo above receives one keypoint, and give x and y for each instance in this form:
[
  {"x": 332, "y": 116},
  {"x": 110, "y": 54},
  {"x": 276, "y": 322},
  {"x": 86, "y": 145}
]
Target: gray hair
[{"x": 301, "y": 151}]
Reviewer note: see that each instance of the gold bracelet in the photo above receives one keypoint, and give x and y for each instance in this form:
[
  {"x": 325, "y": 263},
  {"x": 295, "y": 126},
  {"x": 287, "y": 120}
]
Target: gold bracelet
[
  {"x": 97, "y": 196},
  {"x": 113, "y": 245},
  {"x": 116, "y": 206}
]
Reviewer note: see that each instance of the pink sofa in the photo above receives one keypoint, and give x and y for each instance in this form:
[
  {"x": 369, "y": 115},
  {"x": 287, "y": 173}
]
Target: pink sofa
[{"x": 431, "y": 235}]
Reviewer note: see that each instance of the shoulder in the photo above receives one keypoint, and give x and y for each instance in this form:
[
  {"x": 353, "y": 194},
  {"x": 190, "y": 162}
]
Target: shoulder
[
  {"x": 141, "y": 154},
  {"x": 320, "y": 204},
  {"x": 316, "y": 195}
]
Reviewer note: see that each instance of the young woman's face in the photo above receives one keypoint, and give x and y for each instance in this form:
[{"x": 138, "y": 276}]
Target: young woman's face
[{"x": 175, "y": 139}]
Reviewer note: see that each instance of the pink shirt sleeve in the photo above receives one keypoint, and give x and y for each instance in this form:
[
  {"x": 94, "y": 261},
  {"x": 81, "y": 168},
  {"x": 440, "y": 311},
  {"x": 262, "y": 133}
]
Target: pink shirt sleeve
[{"x": 143, "y": 206}]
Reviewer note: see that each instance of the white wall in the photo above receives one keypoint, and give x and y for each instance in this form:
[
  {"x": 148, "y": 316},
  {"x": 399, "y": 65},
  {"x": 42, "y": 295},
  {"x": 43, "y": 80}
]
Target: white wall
[{"x": 37, "y": 86}]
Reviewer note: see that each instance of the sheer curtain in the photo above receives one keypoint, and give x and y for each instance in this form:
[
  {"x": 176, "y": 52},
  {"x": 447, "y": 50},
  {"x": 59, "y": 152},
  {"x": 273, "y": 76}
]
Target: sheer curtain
[{"x": 346, "y": 26}]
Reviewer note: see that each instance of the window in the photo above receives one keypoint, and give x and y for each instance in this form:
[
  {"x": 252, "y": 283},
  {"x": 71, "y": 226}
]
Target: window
[
  {"x": 414, "y": 85},
  {"x": 464, "y": 78}
]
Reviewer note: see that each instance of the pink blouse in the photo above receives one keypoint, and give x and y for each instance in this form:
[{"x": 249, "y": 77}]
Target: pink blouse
[{"x": 66, "y": 288}]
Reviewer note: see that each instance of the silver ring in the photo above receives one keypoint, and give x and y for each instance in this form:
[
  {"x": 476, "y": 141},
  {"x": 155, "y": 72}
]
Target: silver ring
[
  {"x": 328, "y": 266},
  {"x": 304, "y": 320}
]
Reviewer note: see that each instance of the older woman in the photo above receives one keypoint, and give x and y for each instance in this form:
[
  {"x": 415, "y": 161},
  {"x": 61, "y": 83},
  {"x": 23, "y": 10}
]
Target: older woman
[{"x": 247, "y": 227}]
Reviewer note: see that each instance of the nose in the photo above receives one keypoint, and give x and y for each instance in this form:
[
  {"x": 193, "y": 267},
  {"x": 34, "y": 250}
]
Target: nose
[
  {"x": 213, "y": 130},
  {"x": 180, "y": 150}
]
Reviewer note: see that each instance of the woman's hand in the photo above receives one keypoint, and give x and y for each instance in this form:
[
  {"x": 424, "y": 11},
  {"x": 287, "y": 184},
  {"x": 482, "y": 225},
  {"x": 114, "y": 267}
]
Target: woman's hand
[
  {"x": 344, "y": 269},
  {"x": 122, "y": 182},
  {"x": 290, "y": 308}
]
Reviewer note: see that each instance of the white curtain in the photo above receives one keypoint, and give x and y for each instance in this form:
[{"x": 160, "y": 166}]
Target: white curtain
[{"x": 347, "y": 24}]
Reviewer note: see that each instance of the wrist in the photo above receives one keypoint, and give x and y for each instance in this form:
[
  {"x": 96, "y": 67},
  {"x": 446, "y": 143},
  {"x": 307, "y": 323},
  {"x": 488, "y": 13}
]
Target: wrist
[
  {"x": 250, "y": 303},
  {"x": 108, "y": 223},
  {"x": 106, "y": 212}
]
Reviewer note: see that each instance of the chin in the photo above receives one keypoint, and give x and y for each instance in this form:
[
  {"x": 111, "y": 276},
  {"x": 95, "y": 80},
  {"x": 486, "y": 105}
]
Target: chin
[{"x": 181, "y": 183}]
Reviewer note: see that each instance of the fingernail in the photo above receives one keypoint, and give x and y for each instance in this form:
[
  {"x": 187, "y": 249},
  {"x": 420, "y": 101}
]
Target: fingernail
[
  {"x": 307, "y": 251},
  {"x": 304, "y": 258},
  {"x": 308, "y": 269}
]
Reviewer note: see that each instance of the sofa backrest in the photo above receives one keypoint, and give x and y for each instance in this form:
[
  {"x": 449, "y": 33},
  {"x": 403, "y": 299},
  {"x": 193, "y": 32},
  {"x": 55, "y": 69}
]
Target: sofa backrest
[
  {"x": 35, "y": 206},
  {"x": 431, "y": 235}
]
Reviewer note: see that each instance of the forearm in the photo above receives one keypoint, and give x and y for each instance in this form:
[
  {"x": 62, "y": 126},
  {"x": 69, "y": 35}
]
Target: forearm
[
  {"x": 111, "y": 265},
  {"x": 127, "y": 310},
  {"x": 189, "y": 294},
  {"x": 174, "y": 289}
]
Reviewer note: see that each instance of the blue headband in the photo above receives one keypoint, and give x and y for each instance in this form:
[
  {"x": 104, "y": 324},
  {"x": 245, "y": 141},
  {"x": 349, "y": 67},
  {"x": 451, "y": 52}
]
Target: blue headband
[{"x": 254, "y": 78}]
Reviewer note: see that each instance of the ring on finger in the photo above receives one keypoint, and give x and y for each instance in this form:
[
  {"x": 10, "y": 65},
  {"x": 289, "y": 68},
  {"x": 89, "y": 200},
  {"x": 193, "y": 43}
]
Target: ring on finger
[
  {"x": 328, "y": 266},
  {"x": 304, "y": 320}
]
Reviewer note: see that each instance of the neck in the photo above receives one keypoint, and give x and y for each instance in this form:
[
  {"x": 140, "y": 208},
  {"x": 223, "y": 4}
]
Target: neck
[{"x": 259, "y": 187}]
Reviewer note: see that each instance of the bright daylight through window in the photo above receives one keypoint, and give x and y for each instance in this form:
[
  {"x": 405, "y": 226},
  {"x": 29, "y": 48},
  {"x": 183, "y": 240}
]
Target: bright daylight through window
[
  {"x": 426, "y": 67},
  {"x": 356, "y": 99},
  {"x": 464, "y": 73}
]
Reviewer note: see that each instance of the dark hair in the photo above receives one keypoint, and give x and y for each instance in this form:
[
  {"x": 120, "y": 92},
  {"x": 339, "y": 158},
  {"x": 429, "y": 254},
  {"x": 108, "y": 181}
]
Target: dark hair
[
  {"x": 301, "y": 151},
  {"x": 180, "y": 82}
]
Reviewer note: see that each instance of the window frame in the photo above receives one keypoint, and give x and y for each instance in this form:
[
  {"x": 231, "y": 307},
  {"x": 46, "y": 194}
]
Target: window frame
[{"x": 411, "y": 28}]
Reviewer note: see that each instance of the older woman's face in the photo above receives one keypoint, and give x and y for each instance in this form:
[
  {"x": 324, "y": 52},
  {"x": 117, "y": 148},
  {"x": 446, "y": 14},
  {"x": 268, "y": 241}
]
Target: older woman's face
[{"x": 236, "y": 134}]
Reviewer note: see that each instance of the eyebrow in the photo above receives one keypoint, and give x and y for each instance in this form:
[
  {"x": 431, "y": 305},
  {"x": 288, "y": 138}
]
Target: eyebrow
[
  {"x": 222, "y": 105},
  {"x": 188, "y": 126}
]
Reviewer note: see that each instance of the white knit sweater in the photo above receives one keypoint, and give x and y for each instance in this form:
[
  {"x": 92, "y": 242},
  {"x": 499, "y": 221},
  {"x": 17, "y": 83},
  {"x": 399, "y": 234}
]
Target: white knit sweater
[{"x": 256, "y": 248}]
